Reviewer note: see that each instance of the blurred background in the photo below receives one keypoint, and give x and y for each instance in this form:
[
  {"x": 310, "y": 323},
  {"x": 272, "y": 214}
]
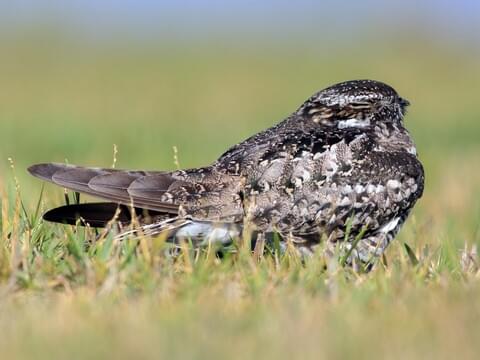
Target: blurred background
[{"x": 77, "y": 77}]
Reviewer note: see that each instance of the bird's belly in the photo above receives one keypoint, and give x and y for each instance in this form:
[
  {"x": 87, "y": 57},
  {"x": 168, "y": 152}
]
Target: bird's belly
[{"x": 327, "y": 210}]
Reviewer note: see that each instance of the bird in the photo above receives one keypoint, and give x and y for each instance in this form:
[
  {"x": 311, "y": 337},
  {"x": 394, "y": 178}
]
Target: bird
[{"x": 342, "y": 170}]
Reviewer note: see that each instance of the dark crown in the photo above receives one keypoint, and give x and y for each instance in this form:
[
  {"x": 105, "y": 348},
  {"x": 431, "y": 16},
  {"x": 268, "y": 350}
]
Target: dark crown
[{"x": 355, "y": 99}]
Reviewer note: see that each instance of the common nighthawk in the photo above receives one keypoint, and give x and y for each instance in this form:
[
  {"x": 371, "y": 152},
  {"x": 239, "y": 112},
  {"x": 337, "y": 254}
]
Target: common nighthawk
[{"x": 343, "y": 159}]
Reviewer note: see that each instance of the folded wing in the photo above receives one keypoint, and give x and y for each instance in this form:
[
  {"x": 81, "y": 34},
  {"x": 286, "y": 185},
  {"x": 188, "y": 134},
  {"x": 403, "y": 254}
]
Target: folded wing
[{"x": 142, "y": 189}]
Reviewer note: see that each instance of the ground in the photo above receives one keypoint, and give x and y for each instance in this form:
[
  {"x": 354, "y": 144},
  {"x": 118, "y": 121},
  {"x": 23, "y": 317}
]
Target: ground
[{"x": 61, "y": 299}]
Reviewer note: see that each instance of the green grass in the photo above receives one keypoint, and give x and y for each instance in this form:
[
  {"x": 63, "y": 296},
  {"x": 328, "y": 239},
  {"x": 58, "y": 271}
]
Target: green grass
[{"x": 62, "y": 299}]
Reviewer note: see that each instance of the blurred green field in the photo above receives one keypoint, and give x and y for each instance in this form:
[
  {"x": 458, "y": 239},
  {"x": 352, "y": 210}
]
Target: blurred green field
[{"x": 63, "y": 101}]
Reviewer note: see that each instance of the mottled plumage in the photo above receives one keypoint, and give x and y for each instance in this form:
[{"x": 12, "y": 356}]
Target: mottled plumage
[{"x": 343, "y": 157}]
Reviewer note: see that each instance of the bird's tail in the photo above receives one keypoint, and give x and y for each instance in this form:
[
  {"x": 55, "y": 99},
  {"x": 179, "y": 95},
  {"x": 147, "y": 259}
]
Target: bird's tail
[
  {"x": 150, "y": 223},
  {"x": 100, "y": 214}
]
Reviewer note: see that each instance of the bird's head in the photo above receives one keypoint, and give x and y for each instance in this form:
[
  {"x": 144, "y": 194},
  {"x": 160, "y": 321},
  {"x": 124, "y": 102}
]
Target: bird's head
[{"x": 355, "y": 104}]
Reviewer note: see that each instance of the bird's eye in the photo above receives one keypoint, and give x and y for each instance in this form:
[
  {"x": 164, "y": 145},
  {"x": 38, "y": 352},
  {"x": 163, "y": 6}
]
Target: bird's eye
[{"x": 360, "y": 105}]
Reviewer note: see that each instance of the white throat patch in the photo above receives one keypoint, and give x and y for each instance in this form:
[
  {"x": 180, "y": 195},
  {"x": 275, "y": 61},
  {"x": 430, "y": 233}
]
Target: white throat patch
[{"x": 357, "y": 123}]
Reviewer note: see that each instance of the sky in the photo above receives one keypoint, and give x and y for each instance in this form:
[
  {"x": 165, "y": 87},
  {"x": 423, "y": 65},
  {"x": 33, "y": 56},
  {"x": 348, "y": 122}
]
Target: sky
[{"x": 458, "y": 20}]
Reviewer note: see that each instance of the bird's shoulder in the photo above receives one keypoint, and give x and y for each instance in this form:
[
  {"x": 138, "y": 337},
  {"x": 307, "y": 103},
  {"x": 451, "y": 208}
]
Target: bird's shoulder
[{"x": 289, "y": 140}]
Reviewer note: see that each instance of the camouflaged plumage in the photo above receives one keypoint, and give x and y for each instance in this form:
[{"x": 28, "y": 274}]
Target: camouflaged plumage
[{"x": 343, "y": 157}]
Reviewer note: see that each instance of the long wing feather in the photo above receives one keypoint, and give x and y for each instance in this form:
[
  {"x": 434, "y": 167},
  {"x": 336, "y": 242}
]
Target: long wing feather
[{"x": 109, "y": 184}]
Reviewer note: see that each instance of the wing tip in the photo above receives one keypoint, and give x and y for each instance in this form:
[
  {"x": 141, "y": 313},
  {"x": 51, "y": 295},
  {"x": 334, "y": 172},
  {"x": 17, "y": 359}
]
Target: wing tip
[
  {"x": 45, "y": 171},
  {"x": 42, "y": 171}
]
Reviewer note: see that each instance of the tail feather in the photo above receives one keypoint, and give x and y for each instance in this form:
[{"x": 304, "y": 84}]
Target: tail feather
[{"x": 99, "y": 214}]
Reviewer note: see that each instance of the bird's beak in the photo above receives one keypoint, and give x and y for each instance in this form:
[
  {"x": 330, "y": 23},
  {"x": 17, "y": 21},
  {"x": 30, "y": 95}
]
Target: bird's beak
[{"x": 404, "y": 102}]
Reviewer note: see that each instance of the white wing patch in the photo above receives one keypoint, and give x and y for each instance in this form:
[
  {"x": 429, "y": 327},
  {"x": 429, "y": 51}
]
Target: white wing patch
[{"x": 389, "y": 226}]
